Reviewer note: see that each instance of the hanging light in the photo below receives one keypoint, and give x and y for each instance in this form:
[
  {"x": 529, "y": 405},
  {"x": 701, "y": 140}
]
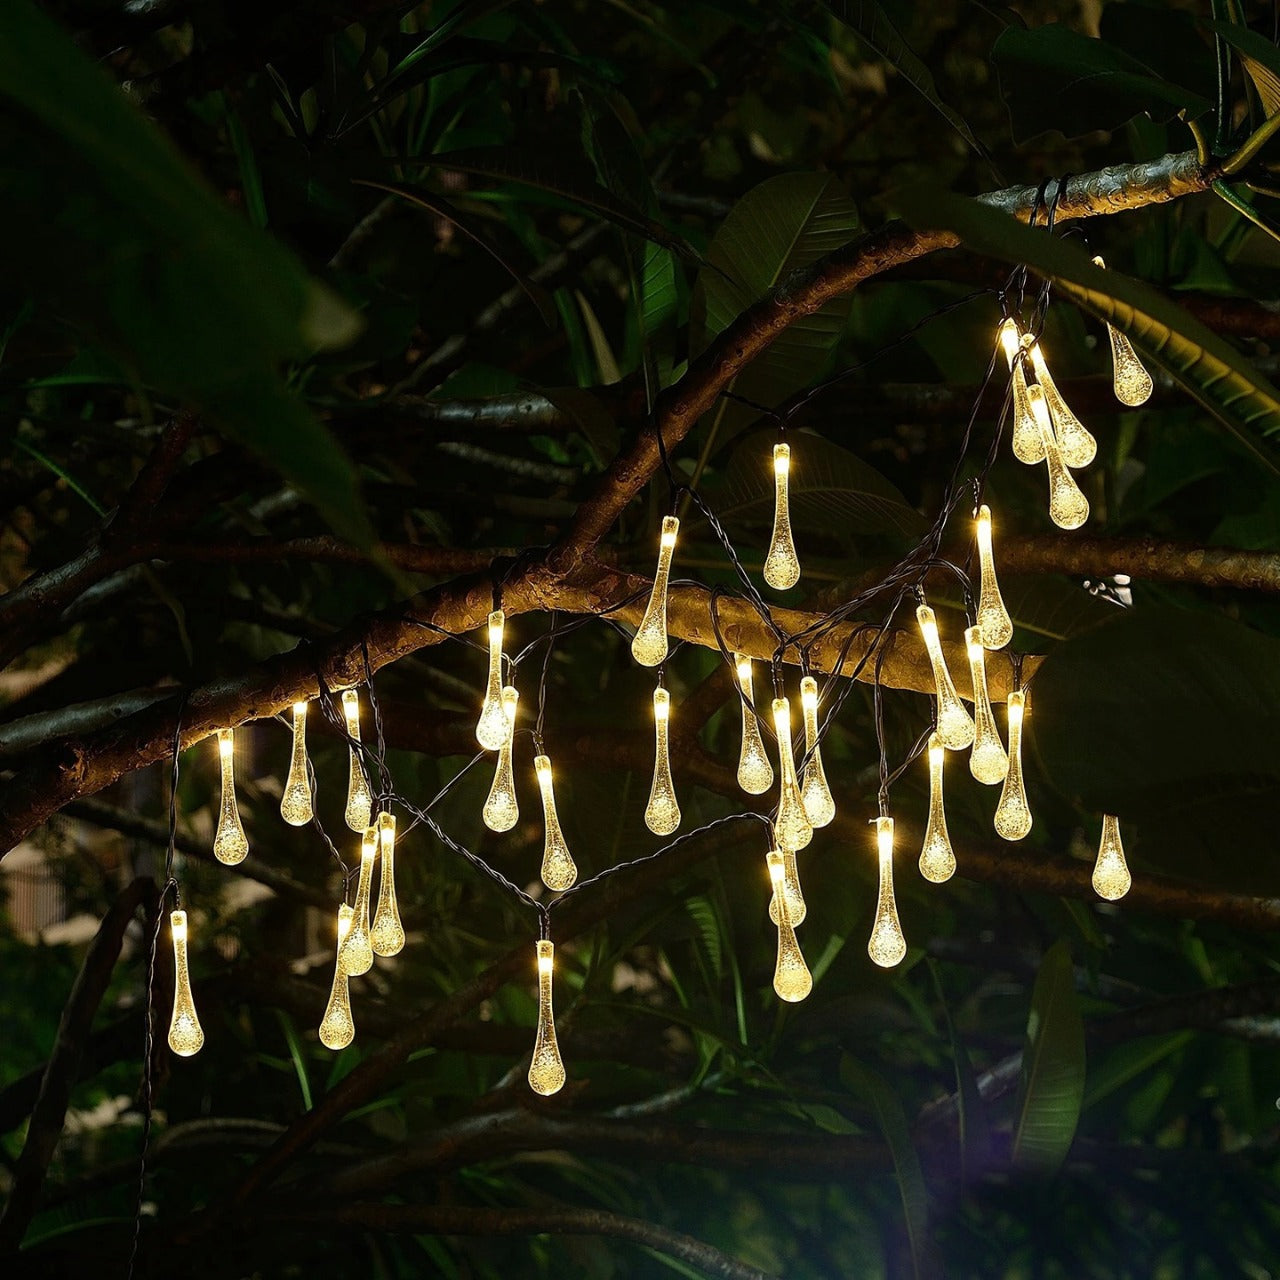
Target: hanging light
[
  {"x": 755, "y": 773},
  {"x": 781, "y": 565},
  {"x": 649, "y": 645},
  {"x": 230, "y": 844},
  {"x": 987, "y": 761},
  {"x": 546, "y": 1070},
  {"x": 558, "y": 868},
  {"x": 791, "y": 977},
  {"x": 955, "y": 724},
  {"x": 886, "y": 946},
  {"x": 337, "y": 1027},
  {"x": 359, "y": 810},
  {"x": 1013, "y": 813},
  {"x": 1129, "y": 377},
  {"x": 662, "y": 814},
  {"x": 502, "y": 809},
  {"x": 937, "y": 858},
  {"x": 793, "y": 825},
  {"x": 357, "y": 947},
  {"x": 295, "y": 803},
  {"x": 993, "y": 618},
  {"x": 186, "y": 1036},
  {"x": 1111, "y": 878},
  {"x": 491, "y": 728},
  {"x": 1068, "y": 507},
  {"x": 387, "y": 934},
  {"x": 819, "y": 804}
]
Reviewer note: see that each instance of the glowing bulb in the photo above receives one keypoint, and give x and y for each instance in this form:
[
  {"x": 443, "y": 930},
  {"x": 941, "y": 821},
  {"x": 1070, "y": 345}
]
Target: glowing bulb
[
  {"x": 491, "y": 728},
  {"x": 993, "y": 618},
  {"x": 987, "y": 761},
  {"x": 662, "y": 814},
  {"x": 186, "y": 1037},
  {"x": 1111, "y": 878},
  {"x": 387, "y": 935},
  {"x": 357, "y": 946},
  {"x": 955, "y": 724},
  {"x": 1027, "y": 445},
  {"x": 797, "y": 909},
  {"x": 230, "y": 844},
  {"x": 1068, "y": 507},
  {"x": 558, "y": 868},
  {"x": 295, "y": 804},
  {"x": 1010, "y": 340},
  {"x": 937, "y": 858},
  {"x": 1077, "y": 446},
  {"x": 546, "y": 1071},
  {"x": 1013, "y": 813},
  {"x": 1129, "y": 377},
  {"x": 793, "y": 826},
  {"x": 359, "y": 801},
  {"x": 791, "y": 977},
  {"x": 781, "y": 565},
  {"x": 819, "y": 805},
  {"x": 649, "y": 645},
  {"x": 337, "y": 1027},
  {"x": 502, "y": 810},
  {"x": 755, "y": 773},
  {"x": 886, "y": 946}
]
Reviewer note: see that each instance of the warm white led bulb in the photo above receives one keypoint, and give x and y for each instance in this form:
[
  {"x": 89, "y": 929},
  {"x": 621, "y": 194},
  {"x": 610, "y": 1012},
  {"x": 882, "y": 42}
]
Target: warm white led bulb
[
  {"x": 755, "y": 773},
  {"x": 955, "y": 724},
  {"x": 781, "y": 565},
  {"x": 295, "y": 803},
  {"x": 937, "y": 858},
  {"x": 1111, "y": 878},
  {"x": 649, "y": 645},
  {"x": 793, "y": 825},
  {"x": 357, "y": 948},
  {"x": 230, "y": 844},
  {"x": 1027, "y": 444},
  {"x": 186, "y": 1036},
  {"x": 1076, "y": 445},
  {"x": 1013, "y": 813},
  {"x": 1129, "y": 377},
  {"x": 359, "y": 802},
  {"x": 387, "y": 933},
  {"x": 662, "y": 814},
  {"x": 559, "y": 870},
  {"x": 546, "y": 1070},
  {"x": 337, "y": 1027},
  {"x": 791, "y": 977},
  {"x": 797, "y": 909},
  {"x": 815, "y": 795},
  {"x": 993, "y": 617},
  {"x": 1068, "y": 507},
  {"x": 501, "y": 808},
  {"x": 988, "y": 761},
  {"x": 886, "y": 945},
  {"x": 491, "y": 728}
]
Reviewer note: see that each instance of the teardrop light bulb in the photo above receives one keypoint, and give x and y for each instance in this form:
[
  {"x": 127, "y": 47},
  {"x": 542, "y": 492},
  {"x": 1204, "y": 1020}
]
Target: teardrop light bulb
[
  {"x": 793, "y": 825},
  {"x": 1027, "y": 445},
  {"x": 295, "y": 803},
  {"x": 1075, "y": 443},
  {"x": 359, "y": 801},
  {"x": 993, "y": 618},
  {"x": 649, "y": 645},
  {"x": 491, "y": 728},
  {"x": 662, "y": 814},
  {"x": 987, "y": 761},
  {"x": 1111, "y": 878},
  {"x": 186, "y": 1036},
  {"x": 1013, "y": 813},
  {"x": 937, "y": 858},
  {"x": 791, "y": 977},
  {"x": 886, "y": 946},
  {"x": 230, "y": 844},
  {"x": 755, "y": 773},
  {"x": 781, "y": 565},
  {"x": 819, "y": 805},
  {"x": 955, "y": 724},
  {"x": 797, "y": 908},
  {"x": 387, "y": 934},
  {"x": 546, "y": 1070},
  {"x": 357, "y": 947},
  {"x": 502, "y": 809},
  {"x": 337, "y": 1027},
  {"x": 558, "y": 868},
  {"x": 1068, "y": 507},
  {"x": 1129, "y": 377}
]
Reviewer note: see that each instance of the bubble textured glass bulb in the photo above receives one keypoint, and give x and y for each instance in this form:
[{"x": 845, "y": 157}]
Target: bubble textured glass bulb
[
  {"x": 186, "y": 1036},
  {"x": 1111, "y": 878},
  {"x": 1068, "y": 507},
  {"x": 1129, "y": 377},
  {"x": 649, "y": 645},
  {"x": 797, "y": 908},
  {"x": 338, "y": 1027},
  {"x": 793, "y": 826},
  {"x": 815, "y": 795},
  {"x": 230, "y": 844},
  {"x": 955, "y": 724},
  {"x": 662, "y": 813},
  {"x": 791, "y": 977},
  {"x": 755, "y": 773},
  {"x": 559, "y": 870},
  {"x": 781, "y": 565},
  {"x": 937, "y": 858},
  {"x": 359, "y": 802},
  {"x": 295, "y": 804},
  {"x": 387, "y": 934},
  {"x": 993, "y": 618},
  {"x": 357, "y": 947},
  {"x": 886, "y": 946},
  {"x": 987, "y": 761},
  {"x": 501, "y": 809},
  {"x": 546, "y": 1070},
  {"x": 491, "y": 728},
  {"x": 1027, "y": 445},
  {"x": 1075, "y": 443},
  {"x": 1013, "y": 813}
]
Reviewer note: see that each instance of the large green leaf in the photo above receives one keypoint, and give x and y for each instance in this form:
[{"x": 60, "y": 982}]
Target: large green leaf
[
  {"x": 120, "y": 235},
  {"x": 1261, "y": 60},
  {"x": 1053, "y": 1067},
  {"x": 1206, "y": 366}
]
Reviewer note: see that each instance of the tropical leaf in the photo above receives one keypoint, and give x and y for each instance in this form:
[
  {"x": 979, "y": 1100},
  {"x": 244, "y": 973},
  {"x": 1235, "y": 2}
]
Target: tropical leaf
[{"x": 1260, "y": 58}]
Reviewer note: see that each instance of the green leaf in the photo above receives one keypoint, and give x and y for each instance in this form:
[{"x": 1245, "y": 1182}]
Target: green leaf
[
  {"x": 1212, "y": 371},
  {"x": 1053, "y": 1067},
  {"x": 1053, "y": 78},
  {"x": 1261, "y": 60}
]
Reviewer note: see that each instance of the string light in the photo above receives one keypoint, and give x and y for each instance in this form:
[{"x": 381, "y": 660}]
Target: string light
[
  {"x": 491, "y": 728},
  {"x": 797, "y": 908},
  {"x": 359, "y": 802},
  {"x": 793, "y": 826},
  {"x": 993, "y": 618},
  {"x": 955, "y": 724},
  {"x": 1068, "y": 507},
  {"x": 819, "y": 804},
  {"x": 649, "y": 645},
  {"x": 791, "y": 977},
  {"x": 1111, "y": 878},
  {"x": 357, "y": 947},
  {"x": 186, "y": 1036},
  {"x": 295, "y": 803},
  {"x": 558, "y": 868},
  {"x": 502, "y": 809},
  {"x": 755, "y": 773},
  {"x": 781, "y": 565},
  {"x": 1013, "y": 813},
  {"x": 937, "y": 858},
  {"x": 987, "y": 761},
  {"x": 1129, "y": 377},
  {"x": 546, "y": 1070},
  {"x": 1027, "y": 445},
  {"x": 387, "y": 935},
  {"x": 230, "y": 844},
  {"x": 1076, "y": 444},
  {"x": 662, "y": 813},
  {"x": 886, "y": 946},
  {"x": 338, "y": 1027}
]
